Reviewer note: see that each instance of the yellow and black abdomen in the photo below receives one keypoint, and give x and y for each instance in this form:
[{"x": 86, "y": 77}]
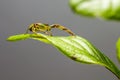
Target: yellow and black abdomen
[{"x": 63, "y": 28}]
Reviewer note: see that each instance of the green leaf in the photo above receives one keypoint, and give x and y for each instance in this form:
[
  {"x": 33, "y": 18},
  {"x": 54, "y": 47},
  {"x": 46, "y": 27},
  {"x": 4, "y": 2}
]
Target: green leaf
[
  {"x": 18, "y": 37},
  {"x": 107, "y": 9},
  {"x": 118, "y": 49},
  {"x": 76, "y": 48},
  {"x": 26, "y": 36}
]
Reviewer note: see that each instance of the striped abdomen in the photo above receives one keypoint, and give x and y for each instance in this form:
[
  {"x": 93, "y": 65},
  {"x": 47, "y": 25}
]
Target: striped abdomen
[{"x": 63, "y": 28}]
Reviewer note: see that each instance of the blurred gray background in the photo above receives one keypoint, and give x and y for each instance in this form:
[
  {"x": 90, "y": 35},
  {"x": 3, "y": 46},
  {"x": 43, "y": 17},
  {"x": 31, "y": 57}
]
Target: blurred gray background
[{"x": 34, "y": 60}]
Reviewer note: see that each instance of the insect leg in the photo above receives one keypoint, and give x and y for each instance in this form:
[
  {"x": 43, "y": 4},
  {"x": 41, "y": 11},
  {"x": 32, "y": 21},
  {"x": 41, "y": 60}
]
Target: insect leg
[
  {"x": 27, "y": 31},
  {"x": 48, "y": 33}
]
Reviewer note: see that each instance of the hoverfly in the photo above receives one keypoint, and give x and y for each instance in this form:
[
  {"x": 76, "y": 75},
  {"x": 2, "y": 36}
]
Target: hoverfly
[{"x": 46, "y": 28}]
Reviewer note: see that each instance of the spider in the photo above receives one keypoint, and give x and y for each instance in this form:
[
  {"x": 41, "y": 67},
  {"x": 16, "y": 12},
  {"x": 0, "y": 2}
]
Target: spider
[{"x": 46, "y": 28}]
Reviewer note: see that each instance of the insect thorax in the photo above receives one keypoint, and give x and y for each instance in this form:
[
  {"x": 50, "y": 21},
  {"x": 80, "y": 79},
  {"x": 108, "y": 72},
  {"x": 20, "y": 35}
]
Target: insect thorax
[{"x": 39, "y": 27}]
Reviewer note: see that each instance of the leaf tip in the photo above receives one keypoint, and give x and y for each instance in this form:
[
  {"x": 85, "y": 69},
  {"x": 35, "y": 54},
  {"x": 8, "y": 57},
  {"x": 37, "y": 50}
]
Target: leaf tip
[{"x": 18, "y": 37}]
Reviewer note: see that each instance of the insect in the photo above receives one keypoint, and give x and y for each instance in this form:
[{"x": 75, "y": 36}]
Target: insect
[{"x": 46, "y": 28}]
